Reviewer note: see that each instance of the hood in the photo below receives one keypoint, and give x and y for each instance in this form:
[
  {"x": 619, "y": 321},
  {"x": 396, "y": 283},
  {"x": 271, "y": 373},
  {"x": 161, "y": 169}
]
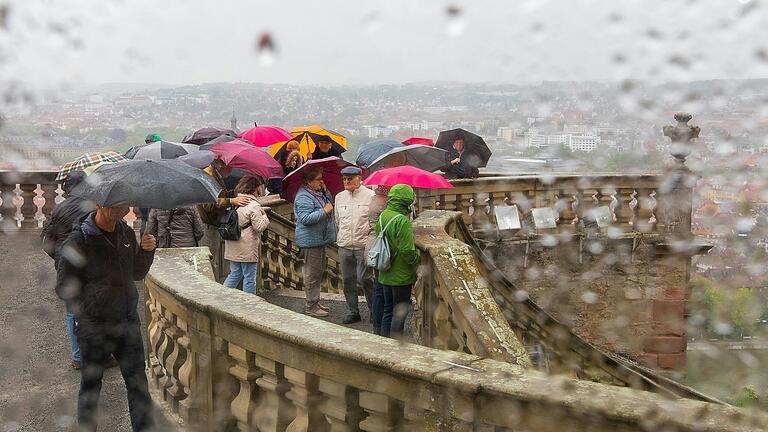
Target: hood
[
  {"x": 89, "y": 226},
  {"x": 400, "y": 198}
]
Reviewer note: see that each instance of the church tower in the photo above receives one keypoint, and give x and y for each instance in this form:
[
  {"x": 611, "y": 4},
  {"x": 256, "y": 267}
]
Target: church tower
[{"x": 233, "y": 121}]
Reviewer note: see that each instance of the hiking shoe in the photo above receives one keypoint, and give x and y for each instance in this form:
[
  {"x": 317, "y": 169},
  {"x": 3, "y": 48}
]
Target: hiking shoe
[
  {"x": 316, "y": 311},
  {"x": 75, "y": 365},
  {"x": 323, "y": 307},
  {"x": 351, "y": 318}
]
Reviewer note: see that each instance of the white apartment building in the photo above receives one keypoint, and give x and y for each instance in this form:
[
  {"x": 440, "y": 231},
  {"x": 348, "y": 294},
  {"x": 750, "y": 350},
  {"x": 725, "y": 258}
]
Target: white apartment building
[
  {"x": 584, "y": 143},
  {"x": 533, "y": 138}
]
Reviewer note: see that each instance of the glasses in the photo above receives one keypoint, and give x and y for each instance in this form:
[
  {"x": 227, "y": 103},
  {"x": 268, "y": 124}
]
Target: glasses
[{"x": 348, "y": 179}]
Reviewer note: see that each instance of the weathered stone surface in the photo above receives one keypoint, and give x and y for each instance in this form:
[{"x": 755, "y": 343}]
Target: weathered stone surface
[{"x": 394, "y": 378}]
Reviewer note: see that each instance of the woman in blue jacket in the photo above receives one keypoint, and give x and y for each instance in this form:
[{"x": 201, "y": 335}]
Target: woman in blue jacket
[{"x": 315, "y": 228}]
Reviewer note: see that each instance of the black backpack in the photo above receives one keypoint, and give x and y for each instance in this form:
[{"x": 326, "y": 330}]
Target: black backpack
[{"x": 229, "y": 226}]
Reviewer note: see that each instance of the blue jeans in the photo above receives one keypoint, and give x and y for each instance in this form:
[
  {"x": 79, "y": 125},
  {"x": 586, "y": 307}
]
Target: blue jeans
[
  {"x": 397, "y": 301},
  {"x": 377, "y": 307},
  {"x": 242, "y": 270},
  {"x": 71, "y": 333}
]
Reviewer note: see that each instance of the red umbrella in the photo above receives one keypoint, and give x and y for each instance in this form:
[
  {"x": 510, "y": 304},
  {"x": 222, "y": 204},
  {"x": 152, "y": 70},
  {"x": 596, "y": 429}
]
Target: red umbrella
[
  {"x": 332, "y": 177},
  {"x": 410, "y": 175},
  {"x": 417, "y": 140},
  {"x": 248, "y": 158},
  {"x": 265, "y": 136}
]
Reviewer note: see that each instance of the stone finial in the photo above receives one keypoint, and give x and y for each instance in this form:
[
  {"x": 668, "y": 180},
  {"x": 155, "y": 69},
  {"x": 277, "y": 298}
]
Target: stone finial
[{"x": 681, "y": 135}]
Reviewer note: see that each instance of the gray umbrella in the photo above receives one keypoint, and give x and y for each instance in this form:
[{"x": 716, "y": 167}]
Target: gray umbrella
[
  {"x": 424, "y": 157},
  {"x": 371, "y": 151},
  {"x": 160, "y": 150},
  {"x": 164, "y": 184},
  {"x": 199, "y": 159}
]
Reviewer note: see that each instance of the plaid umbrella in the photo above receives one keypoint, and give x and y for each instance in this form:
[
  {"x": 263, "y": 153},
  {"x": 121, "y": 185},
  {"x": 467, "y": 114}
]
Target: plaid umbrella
[{"x": 87, "y": 160}]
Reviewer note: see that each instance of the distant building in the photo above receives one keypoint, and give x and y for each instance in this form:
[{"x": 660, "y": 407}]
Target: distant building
[{"x": 584, "y": 143}]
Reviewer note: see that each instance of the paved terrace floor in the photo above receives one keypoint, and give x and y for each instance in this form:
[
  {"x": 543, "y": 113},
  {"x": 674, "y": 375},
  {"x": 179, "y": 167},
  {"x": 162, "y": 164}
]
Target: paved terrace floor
[{"x": 38, "y": 389}]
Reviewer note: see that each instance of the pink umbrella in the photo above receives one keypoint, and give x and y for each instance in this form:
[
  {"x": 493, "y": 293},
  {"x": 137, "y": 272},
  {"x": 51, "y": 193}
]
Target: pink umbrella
[
  {"x": 248, "y": 158},
  {"x": 410, "y": 175},
  {"x": 265, "y": 136},
  {"x": 417, "y": 140},
  {"x": 332, "y": 177}
]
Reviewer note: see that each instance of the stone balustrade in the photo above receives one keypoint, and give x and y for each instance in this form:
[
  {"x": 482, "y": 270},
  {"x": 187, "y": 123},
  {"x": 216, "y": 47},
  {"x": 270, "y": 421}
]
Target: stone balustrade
[
  {"x": 27, "y": 199},
  {"x": 225, "y": 360},
  {"x": 632, "y": 200}
]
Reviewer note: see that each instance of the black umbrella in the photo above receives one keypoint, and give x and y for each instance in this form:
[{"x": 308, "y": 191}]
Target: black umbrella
[
  {"x": 163, "y": 184},
  {"x": 476, "y": 151},
  {"x": 204, "y": 135},
  {"x": 421, "y": 156},
  {"x": 371, "y": 151}
]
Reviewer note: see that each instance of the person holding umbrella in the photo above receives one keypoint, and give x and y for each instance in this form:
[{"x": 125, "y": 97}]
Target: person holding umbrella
[
  {"x": 397, "y": 281},
  {"x": 460, "y": 168},
  {"x": 212, "y": 213},
  {"x": 101, "y": 259},
  {"x": 99, "y": 263},
  {"x": 315, "y": 229},
  {"x": 351, "y": 214}
]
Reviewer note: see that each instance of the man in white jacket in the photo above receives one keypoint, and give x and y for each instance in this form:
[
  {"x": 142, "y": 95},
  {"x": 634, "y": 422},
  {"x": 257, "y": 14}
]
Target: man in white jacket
[{"x": 351, "y": 213}]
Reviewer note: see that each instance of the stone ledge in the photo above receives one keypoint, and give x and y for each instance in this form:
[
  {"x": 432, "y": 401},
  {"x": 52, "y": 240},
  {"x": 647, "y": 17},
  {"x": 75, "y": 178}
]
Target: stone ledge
[{"x": 487, "y": 385}]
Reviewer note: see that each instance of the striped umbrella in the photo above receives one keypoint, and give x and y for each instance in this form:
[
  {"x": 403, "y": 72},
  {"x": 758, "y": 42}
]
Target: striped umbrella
[{"x": 87, "y": 160}]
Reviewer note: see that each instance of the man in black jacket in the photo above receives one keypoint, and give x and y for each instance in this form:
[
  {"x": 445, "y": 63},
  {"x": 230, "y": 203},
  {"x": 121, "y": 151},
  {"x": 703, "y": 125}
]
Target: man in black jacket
[
  {"x": 56, "y": 230},
  {"x": 99, "y": 262}
]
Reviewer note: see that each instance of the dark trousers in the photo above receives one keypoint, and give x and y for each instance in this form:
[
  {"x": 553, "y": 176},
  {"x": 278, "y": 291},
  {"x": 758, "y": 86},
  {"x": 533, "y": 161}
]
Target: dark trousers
[
  {"x": 397, "y": 301},
  {"x": 355, "y": 274},
  {"x": 377, "y": 307},
  {"x": 97, "y": 342}
]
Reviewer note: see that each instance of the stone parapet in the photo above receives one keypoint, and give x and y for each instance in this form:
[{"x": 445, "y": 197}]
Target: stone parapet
[{"x": 225, "y": 359}]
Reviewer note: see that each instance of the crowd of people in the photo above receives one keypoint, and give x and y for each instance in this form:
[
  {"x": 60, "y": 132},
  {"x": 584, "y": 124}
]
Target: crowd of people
[{"x": 98, "y": 257}]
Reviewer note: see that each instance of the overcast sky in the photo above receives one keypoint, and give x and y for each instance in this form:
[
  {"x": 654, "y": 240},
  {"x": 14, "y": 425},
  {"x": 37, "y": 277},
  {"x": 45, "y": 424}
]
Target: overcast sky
[{"x": 371, "y": 42}]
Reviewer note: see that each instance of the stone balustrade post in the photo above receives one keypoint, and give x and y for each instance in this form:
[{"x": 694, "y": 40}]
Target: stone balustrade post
[
  {"x": 28, "y": 207},
  {"x": 341, "y": 406},
  {"x": 8, "y": 208},
  {"x": 49, "y": 195},
  {"x": 306, "y": 397},
  {"x": 274, "y": 411}
]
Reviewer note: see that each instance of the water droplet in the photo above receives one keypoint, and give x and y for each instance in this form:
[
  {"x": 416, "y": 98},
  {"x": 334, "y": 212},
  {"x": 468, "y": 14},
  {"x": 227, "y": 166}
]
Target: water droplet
[
  {"x": 267, "y": 49},
  {"x": 521, "y": 295},
  {"x": 373, "y": 22},
  {"x": 589, "y": 297},
  {"x": 455, "y": 26}
]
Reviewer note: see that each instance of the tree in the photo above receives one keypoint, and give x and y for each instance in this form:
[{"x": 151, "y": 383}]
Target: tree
[{"x": 119, "y": 135}]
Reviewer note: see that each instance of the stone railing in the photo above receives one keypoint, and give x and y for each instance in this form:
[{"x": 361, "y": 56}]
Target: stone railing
[
  {"x": 27, "y": 199},
  {"x": 632, "y": 200},
  {"x": 226, "y": 360},
  {"x": 280, "y": 262},
  {"x": 455, "y": 310}
]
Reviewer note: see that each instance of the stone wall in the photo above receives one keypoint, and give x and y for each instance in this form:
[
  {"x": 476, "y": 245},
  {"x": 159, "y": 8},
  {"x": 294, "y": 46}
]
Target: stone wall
[
  {"x": 624, "y": 301},
  {"x": 226, "y": 360}
]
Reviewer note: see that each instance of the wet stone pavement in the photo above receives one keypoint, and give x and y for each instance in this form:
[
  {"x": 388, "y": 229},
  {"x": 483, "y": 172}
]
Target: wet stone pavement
[{"x": 38, "y": 387}]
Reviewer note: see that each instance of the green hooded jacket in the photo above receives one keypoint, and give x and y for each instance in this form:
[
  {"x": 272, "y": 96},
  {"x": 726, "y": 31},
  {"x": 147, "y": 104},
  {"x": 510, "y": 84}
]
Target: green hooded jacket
[{"x": 404, "y": 255}]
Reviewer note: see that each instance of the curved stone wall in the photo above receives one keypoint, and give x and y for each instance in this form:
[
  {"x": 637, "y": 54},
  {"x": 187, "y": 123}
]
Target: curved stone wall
[{"x": 223, "y": 358}]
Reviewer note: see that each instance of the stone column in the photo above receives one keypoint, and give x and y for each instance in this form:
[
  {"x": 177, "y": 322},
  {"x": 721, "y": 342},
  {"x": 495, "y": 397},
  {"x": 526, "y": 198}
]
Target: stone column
[
  {"x": 665, "y": 347},
  {"x": 8, "y": 208},
  {"x": 28, "y": 207}
]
